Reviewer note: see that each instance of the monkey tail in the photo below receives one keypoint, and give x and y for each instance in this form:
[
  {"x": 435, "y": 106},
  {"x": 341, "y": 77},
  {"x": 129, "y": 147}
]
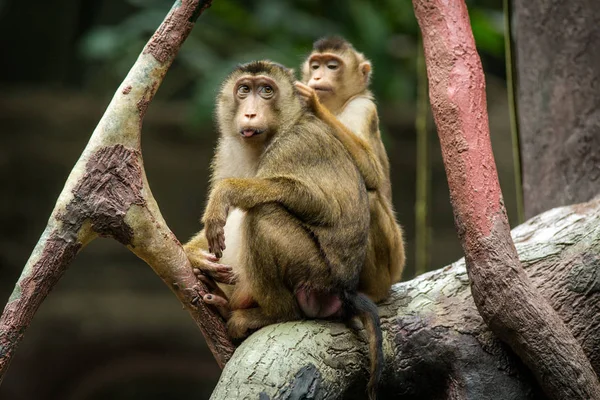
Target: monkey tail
[{"x": 361, "y": 306}]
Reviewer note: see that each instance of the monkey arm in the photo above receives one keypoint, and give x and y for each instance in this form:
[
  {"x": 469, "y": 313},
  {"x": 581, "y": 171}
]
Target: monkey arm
[
  {"x": 359, "y": 149},
  {"x": 309, "y": 205}
]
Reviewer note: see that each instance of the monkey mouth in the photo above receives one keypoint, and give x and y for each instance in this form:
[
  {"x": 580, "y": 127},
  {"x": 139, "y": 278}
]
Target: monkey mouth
[
  {"x": 322, "y": 89},
  {"x": 251, "y": 132}
]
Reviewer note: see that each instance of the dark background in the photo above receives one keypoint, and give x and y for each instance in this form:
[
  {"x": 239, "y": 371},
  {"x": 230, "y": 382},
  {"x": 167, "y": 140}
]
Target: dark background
[{"x": 111, "y": 329}]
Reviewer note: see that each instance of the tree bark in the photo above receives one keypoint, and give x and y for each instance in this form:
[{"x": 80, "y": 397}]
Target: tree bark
[
  {"x": 457, "y": 92},
  {"x": 107, "y": 194},
  {"x": 558, "y": 59},
  {"x": 436, "y": 344}
]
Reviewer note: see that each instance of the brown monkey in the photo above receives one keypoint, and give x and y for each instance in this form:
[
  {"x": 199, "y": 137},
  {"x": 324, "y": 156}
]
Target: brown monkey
[
  {"x": 336, "y": 79},
  {"x": 305, "y": 212}
]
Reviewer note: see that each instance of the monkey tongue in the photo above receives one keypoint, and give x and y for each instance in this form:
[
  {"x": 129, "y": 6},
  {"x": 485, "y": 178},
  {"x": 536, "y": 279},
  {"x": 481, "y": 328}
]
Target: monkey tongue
[{"x": 249, "y": 132}]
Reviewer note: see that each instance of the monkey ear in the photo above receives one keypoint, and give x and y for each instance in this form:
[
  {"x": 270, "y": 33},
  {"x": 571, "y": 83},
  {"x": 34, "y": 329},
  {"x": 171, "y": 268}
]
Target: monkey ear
[{"x": 365, "y": 69}]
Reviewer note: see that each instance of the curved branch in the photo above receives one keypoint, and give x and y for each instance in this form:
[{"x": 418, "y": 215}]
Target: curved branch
[
  {"x": 107, "y": 194},
  {"x": 457, "y": 91},
  {"x": 436, "y": 344}
]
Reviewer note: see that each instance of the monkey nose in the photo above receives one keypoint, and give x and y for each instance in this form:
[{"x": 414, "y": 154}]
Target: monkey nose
[{"x": 250, "y": 116}]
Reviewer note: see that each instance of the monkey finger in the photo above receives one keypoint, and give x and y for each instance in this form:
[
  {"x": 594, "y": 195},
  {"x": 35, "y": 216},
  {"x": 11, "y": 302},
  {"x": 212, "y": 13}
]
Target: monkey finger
[
  {"x": 210, "y": 284},
  {"x": 214, "y": 247},
  {"x": 209, "y": 256},
  {"x": 220, "y": 303},
  {"x": 304, "y": 90},
  {"x": 302, "y": 87}
]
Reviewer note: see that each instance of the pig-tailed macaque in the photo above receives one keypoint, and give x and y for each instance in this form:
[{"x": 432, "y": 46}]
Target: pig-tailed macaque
[
  {"x": 292, "y": 207},
  {"x": 336, "y": 86}
]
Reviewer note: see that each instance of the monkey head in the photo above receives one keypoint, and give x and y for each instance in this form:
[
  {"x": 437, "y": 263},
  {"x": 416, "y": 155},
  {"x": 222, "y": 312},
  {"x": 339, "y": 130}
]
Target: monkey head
[
  {"x": 256, "y": 99},
  {"x": 336, "y": 71}
]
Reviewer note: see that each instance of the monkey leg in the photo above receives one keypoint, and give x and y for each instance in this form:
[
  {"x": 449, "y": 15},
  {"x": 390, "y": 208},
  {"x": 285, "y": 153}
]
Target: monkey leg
[
  {"x": 274, "y": 305},
  {"x": 276, "y": 256},
  {"x": 385, "y": 252}
]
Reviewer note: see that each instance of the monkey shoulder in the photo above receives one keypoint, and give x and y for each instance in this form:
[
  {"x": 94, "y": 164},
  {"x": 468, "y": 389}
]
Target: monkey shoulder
[
  {"x": 310, "y": 148},
  {"x": 360, "y": 116},
  {"x": 362, "y": 104}
]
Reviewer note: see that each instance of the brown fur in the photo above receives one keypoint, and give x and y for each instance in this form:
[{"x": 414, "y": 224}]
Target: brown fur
[
  {"x": 349, "y": 107},
  {"x": 294, "y": 203}
]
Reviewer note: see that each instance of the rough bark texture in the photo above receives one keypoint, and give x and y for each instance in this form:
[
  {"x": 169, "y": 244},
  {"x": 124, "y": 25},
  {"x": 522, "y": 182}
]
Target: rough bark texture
[
  {"x": 457, "y": 92},
  {"x": 107, "y": 194},
  {"x": 558, "y": 54},
  {"x": 436, "y": 344}
]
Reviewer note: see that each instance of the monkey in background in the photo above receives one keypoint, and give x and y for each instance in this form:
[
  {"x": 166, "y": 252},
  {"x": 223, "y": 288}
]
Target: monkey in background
[
  {"x": 335, "y": 85},
  {"x": 293, "y": 208}
]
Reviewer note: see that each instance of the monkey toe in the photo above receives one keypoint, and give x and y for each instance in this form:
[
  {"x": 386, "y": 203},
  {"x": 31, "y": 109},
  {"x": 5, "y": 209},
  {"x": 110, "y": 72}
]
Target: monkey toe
[
  {"x": 219, "y": 302},
  {"x": 219, "y": 272},
  {"x": 224, "y": 274}
]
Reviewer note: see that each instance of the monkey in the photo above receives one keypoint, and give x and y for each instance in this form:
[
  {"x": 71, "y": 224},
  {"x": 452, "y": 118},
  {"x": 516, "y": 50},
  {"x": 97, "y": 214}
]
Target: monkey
[
  {"x": 335, "y": 80},
  {"x": 301, "y": 235}
]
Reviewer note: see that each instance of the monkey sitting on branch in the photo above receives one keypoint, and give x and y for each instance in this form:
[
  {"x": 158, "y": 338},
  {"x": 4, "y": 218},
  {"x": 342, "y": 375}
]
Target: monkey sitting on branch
[
  {"x": 298, "y": 230},
  {"x": 336, "y": 79}
]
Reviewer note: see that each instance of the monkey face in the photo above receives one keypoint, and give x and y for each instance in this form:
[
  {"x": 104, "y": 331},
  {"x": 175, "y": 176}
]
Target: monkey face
[
  {"x": 336, "y": 75},
  {"x": 326, "y": 73},
  {"x": 255, "y": 97},
  {"x": 257, "y": 101}
]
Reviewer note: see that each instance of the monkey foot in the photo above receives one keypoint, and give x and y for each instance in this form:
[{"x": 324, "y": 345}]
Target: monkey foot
[
  {"x": 206, "y": 265},
  {"x": 219, "y": 301}
]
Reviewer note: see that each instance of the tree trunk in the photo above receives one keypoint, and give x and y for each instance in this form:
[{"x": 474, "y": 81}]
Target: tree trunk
[
  {"x": 436, "y": 343},
  {"x": 558, "y": 68},
  {"x": 457, "y": 92}
]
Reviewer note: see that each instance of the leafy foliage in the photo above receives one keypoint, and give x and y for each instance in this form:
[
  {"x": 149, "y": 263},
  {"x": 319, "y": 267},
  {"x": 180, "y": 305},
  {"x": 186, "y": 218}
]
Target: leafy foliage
[{"x": 236, "y": 31}]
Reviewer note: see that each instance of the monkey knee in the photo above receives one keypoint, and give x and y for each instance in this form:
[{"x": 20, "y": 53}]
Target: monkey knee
[{"x": 238, "y": 325}]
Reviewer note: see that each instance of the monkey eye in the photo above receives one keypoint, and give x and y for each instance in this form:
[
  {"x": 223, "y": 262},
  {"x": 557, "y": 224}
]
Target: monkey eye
[
  {"x": 243, "y": 89},
  {"x": 332, "y": 65},
  {"x": 314, "y": 65},
  {"x": 267, "y": 91}
]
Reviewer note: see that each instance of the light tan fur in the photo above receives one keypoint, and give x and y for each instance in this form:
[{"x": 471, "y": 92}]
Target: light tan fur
[{"x": 345, "y": 102}]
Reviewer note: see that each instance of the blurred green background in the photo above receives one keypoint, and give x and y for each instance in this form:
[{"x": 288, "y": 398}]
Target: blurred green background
[{"x": 111, "y": 329}]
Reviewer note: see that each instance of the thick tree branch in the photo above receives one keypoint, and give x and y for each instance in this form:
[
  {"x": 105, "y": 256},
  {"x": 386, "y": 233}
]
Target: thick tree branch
[
  {"x": 457, "y": 91},
  {"x": 436, "y": 344},
  {"x": 107, "y": 194}
]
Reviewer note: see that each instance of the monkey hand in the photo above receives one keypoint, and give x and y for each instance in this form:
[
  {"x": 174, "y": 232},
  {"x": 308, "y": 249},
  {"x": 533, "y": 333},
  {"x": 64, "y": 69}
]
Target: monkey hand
[
  {"x": 215, "y": 236},
  {"x": 214, "y": 220},
  {"x": 309, "y": 95},
  {"x": 205, "y": 264}
]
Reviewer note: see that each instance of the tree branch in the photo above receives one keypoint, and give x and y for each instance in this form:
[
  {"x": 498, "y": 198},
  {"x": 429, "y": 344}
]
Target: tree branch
[
  {"x": 457, "y": 91},
  {"x": 107, "y": 194},
  {"x": 436, "y": 344}
]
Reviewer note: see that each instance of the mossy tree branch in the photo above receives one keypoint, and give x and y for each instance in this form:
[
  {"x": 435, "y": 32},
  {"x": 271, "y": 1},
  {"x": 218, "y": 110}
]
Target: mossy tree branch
[
  {"x": 436, "y": 344},
  {"x": 107, "y": 194}
]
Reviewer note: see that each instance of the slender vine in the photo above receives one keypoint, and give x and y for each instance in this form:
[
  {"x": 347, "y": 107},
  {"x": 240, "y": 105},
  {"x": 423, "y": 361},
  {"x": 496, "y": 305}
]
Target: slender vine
[
  {"x": 423, "y": 178},
  {"x": 512, "y": 110}
]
